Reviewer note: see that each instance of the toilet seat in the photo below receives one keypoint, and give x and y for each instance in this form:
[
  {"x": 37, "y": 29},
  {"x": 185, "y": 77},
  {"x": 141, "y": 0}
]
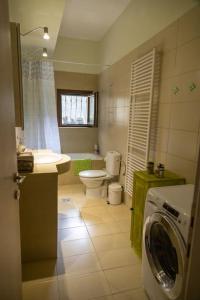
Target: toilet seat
[{"x": 93, "y": 174}]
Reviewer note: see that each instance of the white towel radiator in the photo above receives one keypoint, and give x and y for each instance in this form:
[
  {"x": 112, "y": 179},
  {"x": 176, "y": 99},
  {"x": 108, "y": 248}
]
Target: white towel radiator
[{"x": 142, "y": 115}]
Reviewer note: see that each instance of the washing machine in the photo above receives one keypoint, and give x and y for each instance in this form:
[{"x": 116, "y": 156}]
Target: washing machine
[{"x": 167, "y": 219}]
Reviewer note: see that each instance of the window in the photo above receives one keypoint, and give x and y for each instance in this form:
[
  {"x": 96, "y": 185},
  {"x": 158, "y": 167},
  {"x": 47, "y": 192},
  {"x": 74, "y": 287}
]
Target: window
[{"x": 77, "y": 108}]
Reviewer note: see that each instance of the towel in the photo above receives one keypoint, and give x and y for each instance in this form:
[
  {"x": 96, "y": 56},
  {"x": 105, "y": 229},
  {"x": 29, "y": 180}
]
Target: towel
[{"x": 82, "y": 165}]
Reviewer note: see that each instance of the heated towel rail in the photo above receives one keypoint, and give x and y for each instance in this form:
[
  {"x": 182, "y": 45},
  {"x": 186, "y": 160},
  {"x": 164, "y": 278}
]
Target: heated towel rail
[{"x": 144, "y": 88}]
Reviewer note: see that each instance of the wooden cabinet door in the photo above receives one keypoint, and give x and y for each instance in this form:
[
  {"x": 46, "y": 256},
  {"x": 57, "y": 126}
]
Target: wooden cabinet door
[
  {"x": 10, "y": 261},
  {"x": 137, "y": 215}
]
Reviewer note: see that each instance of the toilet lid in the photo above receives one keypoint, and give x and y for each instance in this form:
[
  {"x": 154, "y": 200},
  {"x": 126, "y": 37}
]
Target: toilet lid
[{"x": 92, "y": 173}]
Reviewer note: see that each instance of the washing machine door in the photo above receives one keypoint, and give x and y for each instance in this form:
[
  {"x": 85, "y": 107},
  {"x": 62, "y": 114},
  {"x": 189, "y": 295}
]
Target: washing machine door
[{"x": 165, "y": 250}]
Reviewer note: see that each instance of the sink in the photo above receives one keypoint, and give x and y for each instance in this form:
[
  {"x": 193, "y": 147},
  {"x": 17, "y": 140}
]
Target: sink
[{"x": 46, "y": 158}]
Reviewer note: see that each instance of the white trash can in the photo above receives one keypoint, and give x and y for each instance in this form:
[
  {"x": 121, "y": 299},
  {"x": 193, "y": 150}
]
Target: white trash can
[{"x": 115, "y": 193}]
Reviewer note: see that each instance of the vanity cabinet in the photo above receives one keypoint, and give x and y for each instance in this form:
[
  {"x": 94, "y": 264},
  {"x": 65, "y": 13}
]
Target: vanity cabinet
[
  {"x": 17, "y": 73},
  {"x": 142, "y": 182},
  {"x": 38, "y": 215}
]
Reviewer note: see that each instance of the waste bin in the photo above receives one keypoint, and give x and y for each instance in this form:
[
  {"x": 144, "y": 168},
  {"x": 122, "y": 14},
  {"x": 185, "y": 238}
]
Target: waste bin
[{"x": 115, "y": 193}]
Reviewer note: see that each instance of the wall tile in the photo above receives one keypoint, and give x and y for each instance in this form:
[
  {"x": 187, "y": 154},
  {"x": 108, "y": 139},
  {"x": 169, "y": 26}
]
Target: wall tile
[
  {"x": 160, "y": 157},
  {"x": 185, "y": 116},
  {"x": 182, "y": 167},
  {"x": 162, "y": 139},
  {"x": 81, "y": 139},
  {"x": 188, "y": 27},
  {"x": 75, "y": 81},
  {"x": 188, "y": 57},
  {"x": 167, "y": 39},
  {"x": 183, "y": 144},
  {"x": 168, "y": 64},
  {"x": 165, "y": 91},
  {"x": 184, "y": 82},
  {"x": 178, "y": 136},
  {"x": 164, "y": 115}
]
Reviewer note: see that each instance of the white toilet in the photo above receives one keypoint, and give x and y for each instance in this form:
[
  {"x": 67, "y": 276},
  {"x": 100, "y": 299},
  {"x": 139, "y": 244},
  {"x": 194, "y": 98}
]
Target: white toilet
[{"x": 94, "y": 180}]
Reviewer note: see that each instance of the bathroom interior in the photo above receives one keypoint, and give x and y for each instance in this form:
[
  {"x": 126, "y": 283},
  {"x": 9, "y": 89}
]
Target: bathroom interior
[{"x": 101, "y": 127}]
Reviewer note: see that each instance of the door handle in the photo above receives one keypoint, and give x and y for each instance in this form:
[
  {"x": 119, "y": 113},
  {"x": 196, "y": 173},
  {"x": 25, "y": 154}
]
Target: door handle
[
  {"x": 17, "y": 195},
  {"x": 19, "y": 178}
]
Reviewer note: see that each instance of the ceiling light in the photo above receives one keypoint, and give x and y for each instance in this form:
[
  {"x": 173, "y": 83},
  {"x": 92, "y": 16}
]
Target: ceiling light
[
  {"x": 44, "y": 52},
  {"x": 46, "y": 34}
]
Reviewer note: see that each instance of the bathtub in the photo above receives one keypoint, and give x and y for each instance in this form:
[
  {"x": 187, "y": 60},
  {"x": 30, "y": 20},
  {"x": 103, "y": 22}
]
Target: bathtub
[{"x": 69, "y": 177}]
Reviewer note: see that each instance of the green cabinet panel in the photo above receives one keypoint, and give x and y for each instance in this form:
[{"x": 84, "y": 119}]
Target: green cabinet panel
[{"x": 142, "y": 182}]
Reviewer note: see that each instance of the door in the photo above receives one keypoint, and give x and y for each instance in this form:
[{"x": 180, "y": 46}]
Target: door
[
  {"x": 166, "y": 253},
  {"x": 10, "y": 262}
]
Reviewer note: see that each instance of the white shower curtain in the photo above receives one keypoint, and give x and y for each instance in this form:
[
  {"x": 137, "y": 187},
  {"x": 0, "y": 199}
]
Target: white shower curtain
[{"x": 40, "y": 121}]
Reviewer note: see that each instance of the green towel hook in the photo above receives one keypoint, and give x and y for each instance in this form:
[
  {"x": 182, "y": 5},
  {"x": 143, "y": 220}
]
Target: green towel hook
[
  {"x": 176, "y": 90},
  {"x": 192, "y": 87}
]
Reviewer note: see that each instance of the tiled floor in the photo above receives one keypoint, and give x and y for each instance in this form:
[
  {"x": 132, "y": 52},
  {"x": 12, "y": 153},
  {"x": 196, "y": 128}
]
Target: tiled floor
[{"x": 95, "y": 260}]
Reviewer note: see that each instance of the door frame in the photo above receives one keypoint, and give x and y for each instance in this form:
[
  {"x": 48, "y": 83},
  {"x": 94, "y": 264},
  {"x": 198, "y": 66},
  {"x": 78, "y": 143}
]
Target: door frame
[{"x": 192, "y": 286}]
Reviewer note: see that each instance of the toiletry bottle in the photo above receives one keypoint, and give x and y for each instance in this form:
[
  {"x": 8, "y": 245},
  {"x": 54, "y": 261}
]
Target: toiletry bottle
[
  {"x": 96, "y": 149},
  {"x": 150, "y": 167},
  {"x": 160, "y": 170}
]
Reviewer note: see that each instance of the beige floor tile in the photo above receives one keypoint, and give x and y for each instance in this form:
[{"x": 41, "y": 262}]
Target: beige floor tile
[
  {"x": 66, "y": 212},
  {"x": 119, "y": 212},
  {"x": 118, "y": 208},
  {"x": 96, "y": 215},
  {"x": 125, "y": 225},
  {"x": 78, "y": 264},
  {"x": 103, "y": 229},
  {"x": 75, "y": 247},
  {"x": 70, "y": 222},
  {"x": 109, "y": 242},
  {"x": 74, "y": 233},
  {"x": 95, "y": 210},
  {"x": 91, "y": 219},
  {"x": 118, "y": 258},
  {"x": 66, "y": 201},
  {"x": 104, "y": 298},
  {"x": 83, "y": 287},
  {"x": 125, "y": 278},
  {"x": 46, "y": 290},
  {"x": 39, "y": 270},
  {"x": 77, "y": 198},
  {"x": 121, "y": 216},
  {"x": 71, "y": 189},
  {"x": 90, "y": 202},
  {"x": 137, "y": 294}
]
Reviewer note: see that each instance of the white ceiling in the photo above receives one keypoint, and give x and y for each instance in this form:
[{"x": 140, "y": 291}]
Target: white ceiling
[
  {"x": 33, "y": 13},
  {"x": 90, "y": 19}
]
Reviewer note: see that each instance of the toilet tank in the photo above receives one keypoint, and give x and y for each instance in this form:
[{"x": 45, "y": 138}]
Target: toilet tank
[{"x": 113, "y": 162}]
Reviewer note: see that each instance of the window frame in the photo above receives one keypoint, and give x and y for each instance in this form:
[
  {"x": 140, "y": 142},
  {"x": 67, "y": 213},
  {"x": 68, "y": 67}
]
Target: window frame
[{"x": 61, "y": 92}]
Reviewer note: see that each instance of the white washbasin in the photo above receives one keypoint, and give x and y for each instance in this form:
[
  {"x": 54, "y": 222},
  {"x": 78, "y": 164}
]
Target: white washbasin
[{"x": 46, "y": 158}]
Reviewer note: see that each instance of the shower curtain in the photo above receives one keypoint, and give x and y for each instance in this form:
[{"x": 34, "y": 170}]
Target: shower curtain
[{"x": 40, "y": 121}]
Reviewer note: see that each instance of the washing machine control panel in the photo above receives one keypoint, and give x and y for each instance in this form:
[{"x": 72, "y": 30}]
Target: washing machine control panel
[
  {"x": 181, "y": 220},
  {"x": 171, "y": 210}
]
